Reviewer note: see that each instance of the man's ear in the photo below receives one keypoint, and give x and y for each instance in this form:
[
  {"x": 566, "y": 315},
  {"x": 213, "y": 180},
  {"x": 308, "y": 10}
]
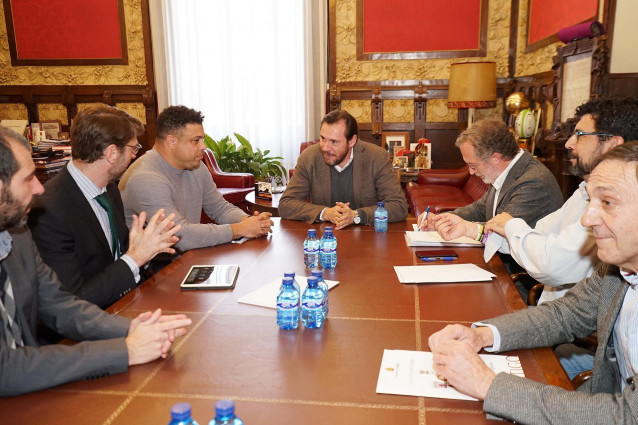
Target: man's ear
[
  {"x": 171, "y": 141},
  {"x": 615, "y": 141},
  {"x": 112, "y": 153},
  {"x": 353, "y": 141},
  {"x": 496, "y": 158}
]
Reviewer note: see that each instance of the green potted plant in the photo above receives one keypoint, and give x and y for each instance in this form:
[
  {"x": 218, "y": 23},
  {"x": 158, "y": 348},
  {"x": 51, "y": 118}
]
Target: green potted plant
[{"x": 243, "y": 158}]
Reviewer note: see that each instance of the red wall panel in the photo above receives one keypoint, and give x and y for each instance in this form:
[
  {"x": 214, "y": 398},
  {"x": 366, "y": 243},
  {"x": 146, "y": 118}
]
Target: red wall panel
[{"x": 546, "y": 17}]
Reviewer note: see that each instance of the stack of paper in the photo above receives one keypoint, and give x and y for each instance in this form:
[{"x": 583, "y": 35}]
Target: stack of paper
[
  {"x": 411, "y": 373},
  {"x": 442, "y": 273},
  {"x": 266, "y": 296},
  {"x": 432, "y": 238}
]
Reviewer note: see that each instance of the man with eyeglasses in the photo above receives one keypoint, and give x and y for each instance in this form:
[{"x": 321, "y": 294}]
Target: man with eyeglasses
[
  {"x": 78, "y": 223},
  {"x": 520, "y": 184}
]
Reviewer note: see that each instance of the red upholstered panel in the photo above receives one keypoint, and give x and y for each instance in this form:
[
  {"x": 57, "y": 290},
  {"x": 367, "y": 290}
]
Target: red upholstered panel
[
  {"x": 548, "y": 16},
  {"x": 420, "y": 25},
  {"x": 475, "y": 187},
  {"x": 67, "y": 29}
]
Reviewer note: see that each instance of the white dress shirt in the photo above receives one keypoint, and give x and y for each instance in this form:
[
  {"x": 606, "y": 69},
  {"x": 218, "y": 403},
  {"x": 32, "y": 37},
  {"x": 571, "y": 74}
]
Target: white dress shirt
[
  {"x": 626, "y": 331},
  {"x": 559, "y": 251},
  {"x": 498, "y": 183}
]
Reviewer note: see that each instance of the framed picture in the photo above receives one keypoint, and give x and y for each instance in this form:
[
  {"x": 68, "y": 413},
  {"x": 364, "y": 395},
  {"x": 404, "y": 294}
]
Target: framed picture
[
  {"x": 400, "y": 162},
  {"x": 392, "y": 139},
  {"x": 51, "y": 129},
  {"x": 423, "y": 158}
]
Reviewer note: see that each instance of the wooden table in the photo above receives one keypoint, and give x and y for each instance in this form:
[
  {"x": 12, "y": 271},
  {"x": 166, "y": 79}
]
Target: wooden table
[
  {"x": 325, "y": 376},
  {"x": 263, "y": 205}
]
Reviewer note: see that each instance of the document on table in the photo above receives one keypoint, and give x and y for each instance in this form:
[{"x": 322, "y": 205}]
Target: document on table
[
  {"x": 442, "y": 273},
  {"x": 493, "y": 244},
  {"x": 266, "y": 296},
  {"x": 411, "y": 373},
  {"x": 432, "y": 238}
]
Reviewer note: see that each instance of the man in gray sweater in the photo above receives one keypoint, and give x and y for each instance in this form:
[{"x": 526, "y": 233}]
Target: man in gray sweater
[{"x": 170, "y": 176}]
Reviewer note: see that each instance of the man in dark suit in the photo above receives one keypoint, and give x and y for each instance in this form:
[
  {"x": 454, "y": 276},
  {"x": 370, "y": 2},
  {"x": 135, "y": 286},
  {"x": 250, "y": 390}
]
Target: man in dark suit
[
  {"x": 605, "y": 302},
  {"x": 88, "y": 246},
  {"x": 30, "y": 292},
  {"x": 520, "y": 185}
]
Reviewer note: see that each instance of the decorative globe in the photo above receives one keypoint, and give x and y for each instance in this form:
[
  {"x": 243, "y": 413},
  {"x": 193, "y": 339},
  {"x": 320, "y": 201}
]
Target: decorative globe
[{"x": 516, "y": 102}]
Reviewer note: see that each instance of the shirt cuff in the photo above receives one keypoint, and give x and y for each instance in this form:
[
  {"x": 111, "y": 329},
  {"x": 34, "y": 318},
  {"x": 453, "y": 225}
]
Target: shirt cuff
[
  {"x": 321, "y": 215},
  {"x": 133, "y": 266},
  {"x": 515, "y": 226},
  {"x": 496, "y": 346}
]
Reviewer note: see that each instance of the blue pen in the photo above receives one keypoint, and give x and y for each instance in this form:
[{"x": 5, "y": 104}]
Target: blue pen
[
  {"x": 438, "y": 258},
  {"x": 425, "y": 217}
]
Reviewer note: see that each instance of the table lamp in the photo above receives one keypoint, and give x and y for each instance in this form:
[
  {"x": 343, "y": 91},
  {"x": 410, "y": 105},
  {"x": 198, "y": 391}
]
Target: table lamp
[{"x": 472, "y": 85}]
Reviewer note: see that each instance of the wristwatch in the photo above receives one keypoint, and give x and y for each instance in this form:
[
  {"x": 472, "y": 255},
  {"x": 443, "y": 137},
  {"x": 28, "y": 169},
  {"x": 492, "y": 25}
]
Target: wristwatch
[{"x": 357, "y": 219}]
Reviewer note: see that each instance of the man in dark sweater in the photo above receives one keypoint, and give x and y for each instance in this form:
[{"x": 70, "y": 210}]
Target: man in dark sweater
[{"x": 342, "y": 178}]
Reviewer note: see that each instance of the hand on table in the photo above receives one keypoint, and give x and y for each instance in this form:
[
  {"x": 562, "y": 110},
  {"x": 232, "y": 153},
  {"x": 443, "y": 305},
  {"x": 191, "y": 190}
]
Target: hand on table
[
  {"x": 451, "y": 226},
  {"x": 259, "y": 224}
]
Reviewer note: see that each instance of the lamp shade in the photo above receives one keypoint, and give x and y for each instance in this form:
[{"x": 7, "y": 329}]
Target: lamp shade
[{"x": 472, "y": 85}]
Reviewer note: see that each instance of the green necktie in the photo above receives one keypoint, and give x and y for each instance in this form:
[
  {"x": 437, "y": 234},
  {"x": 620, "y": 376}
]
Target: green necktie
[{"x": 105, "y": 202}]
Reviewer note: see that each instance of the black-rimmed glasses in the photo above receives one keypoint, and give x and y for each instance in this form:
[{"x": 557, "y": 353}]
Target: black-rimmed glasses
[{"x": 579, "y": 133}]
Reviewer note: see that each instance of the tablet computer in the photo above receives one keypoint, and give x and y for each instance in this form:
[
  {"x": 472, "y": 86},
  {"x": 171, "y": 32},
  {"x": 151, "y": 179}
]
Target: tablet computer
[{"x": 211, "y": 277}]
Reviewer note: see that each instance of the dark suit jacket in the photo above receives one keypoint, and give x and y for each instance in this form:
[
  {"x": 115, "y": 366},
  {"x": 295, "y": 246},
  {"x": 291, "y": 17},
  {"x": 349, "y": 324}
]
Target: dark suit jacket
[
  {"x": 38, "y": 296},
  {"x": 372, "y": 178},
  {"x": 591, "y": 305},
  {"x": 72, "y": 242},
  {"x": 529, "y": 191}
]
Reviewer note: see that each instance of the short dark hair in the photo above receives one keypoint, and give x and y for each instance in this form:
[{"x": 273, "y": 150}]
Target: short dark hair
[
  {"x": 616, "y": 115},
  {"x": 97, "y": 127},
  {"x": 173, "y": 119},
  {"x": 337, "y": 115},
  {"x": 8, "y": 163},
  {"x": 626, "y": 152},
  {"x": 489, "y": 136}
]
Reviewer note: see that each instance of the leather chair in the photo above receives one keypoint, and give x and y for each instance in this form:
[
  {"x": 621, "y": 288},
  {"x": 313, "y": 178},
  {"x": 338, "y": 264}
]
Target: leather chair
[
  {"x": 303, "y": 147},
  {"x": 444, "y": 190},
  {"x": 233, "y": 186}
]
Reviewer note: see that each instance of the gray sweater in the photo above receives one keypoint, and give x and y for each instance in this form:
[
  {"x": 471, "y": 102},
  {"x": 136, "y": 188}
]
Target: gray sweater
[{"x": 151, "y": 183}]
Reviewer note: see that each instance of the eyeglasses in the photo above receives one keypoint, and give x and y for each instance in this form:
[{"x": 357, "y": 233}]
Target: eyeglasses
[
  {"x": 579, "y": 133},
  {"x": 135, "y": 148},
  {"x": 472, "y": 166}
]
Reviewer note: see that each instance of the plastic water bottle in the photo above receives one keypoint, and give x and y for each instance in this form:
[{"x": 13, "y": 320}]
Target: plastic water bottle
[
  {"x": 380, "y": 218},
  {"x": 328, "y": 249},
  {"x": 294, "y": 281},
  {"x": 288, "y": 305},
  {"x": 181, "y": 415},
  {"x": 312, "y": 313},
  {"x": 225, "y": 414},
  {"x": 311, "y": 249},
  {"x": 323, "y": 285}
]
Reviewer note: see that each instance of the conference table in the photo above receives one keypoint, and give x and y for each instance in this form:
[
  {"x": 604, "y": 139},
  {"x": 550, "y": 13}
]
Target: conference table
[{"x": 309, "y": 376}]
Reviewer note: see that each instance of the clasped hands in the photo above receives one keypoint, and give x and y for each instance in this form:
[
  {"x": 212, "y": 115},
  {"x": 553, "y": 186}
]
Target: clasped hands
[
  {"x": 253, "y": 226},
  {"x": 455, "y": 357},
  {"x": 340, "y": 215}
]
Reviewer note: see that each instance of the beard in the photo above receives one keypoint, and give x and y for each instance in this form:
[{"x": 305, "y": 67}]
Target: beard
[
  {"x": 582, "y": 169},
  {"x": 12, "y": 212}
]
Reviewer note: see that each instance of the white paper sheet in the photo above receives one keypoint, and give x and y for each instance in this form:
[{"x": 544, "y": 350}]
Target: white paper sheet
[
  {"x": 432, "y": 238},
  {"x": 411, "y": 373},
  {"x": 266, "y": 296},
  {"x": 442, "y": 273}
]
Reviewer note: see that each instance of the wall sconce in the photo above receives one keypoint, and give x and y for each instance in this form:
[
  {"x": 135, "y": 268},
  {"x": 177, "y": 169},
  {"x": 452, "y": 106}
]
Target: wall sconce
[{"x": 472, "y": 85}]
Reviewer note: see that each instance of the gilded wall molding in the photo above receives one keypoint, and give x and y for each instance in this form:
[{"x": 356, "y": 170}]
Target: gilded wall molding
[
  {"x": 53, "y": 112},
  {"x": 13, "y": 111},
  {"x": 350, "y": 69},
  {"x": 132, "y": 74},
  {"x": 398, "y": 110},
  {"x": 136, "y": 110},
  {"x": 361, "y": 110},
  {"x": 436, "y": 110}
]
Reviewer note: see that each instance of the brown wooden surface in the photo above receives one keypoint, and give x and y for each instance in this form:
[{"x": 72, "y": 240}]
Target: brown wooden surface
[
  {"x": 303, "y": 376},
  {"x": 263, "y": 205}
]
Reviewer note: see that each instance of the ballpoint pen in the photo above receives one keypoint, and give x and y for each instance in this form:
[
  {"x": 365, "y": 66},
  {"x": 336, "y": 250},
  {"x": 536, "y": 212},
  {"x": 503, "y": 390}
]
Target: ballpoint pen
[
  {"x": 438, "y": 258},
  {"x": 425, "y": 217}
]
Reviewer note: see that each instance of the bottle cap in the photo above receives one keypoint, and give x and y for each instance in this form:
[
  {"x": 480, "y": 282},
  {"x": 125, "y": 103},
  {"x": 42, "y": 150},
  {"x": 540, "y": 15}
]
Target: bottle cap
[
  {"x": 225, "y": 407},
  {"x": 287, "y": 280},
  {"x": 181, "y": 411},
  {"x": 289, "y": 274},
  {"x": 380, "y": 204},
  {"x": 328, "y": 229},
  {"x": 312, "y": 280},
  {"x": 312, "y": 232},
  {"x": 316, "y": 272}
]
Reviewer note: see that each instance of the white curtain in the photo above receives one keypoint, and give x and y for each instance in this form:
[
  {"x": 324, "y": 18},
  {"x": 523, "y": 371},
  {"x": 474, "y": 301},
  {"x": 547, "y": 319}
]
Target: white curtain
[{"x": 253, "y": 67}]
